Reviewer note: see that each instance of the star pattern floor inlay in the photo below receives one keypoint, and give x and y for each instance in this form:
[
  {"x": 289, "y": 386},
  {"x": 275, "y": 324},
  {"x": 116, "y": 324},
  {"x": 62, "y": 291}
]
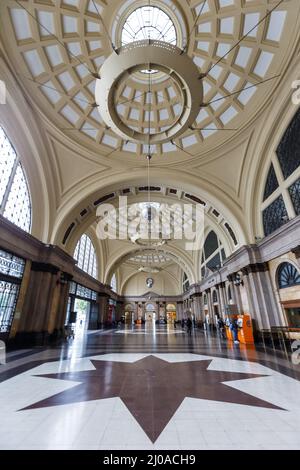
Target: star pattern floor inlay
[
  {"x": 152, "y": 389},
  {"x": 107, "y": 391}
]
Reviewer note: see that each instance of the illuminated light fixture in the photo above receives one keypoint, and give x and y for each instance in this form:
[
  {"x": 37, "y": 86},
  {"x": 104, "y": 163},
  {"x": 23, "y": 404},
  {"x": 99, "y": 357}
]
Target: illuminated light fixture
[{"x": 149, "y": 54}]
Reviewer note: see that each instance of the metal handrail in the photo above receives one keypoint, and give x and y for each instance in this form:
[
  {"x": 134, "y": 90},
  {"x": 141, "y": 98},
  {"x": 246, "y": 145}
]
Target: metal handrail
[{"x": 284, "y": 333}]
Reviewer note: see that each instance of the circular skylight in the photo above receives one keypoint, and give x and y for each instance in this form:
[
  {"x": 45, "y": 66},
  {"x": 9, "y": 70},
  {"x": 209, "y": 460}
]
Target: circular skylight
[{"x": 149, "y": 22}]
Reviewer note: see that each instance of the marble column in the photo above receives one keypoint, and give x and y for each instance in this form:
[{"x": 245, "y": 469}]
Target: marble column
[
  {"x": 157, "y": 311},
  {"x": 210, "y": 307},
  {"x": 235, "y": 292},
  {"x": 261, "y": 297},
  {"x": 222, "y": 298},
  {"x": 198, "y": 311},
  {"x": 179, "y": 310}
]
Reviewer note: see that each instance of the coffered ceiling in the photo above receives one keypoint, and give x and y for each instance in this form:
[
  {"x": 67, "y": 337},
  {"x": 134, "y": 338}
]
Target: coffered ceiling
[{"x": 57, "y": 47}]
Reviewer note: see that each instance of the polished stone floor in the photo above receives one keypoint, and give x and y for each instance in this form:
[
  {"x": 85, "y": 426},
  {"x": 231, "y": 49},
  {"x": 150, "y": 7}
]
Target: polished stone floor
[{"x": 149, "y": 388}]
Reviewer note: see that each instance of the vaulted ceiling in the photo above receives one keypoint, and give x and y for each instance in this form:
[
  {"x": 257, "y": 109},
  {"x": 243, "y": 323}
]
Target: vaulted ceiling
[{"x": 51, "y": 53}]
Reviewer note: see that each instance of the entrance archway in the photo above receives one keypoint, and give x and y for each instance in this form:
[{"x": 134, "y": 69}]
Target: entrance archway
[
  {"x": 171, "y": 313},
  {"x": 150, "y": 313},
  {"x": 129, "y": 314}
]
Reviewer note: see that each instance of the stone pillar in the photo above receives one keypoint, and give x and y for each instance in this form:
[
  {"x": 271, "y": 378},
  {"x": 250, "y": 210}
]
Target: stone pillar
[
  {"x": 235, "y": 292},
  {"x": 179, "y": 310},
  {"x": 210, "y": 307},
  {"x": 261, "y": 297},
  {"x": 103, "y": 308},
  {"x": 63, "y": 300},
  {"x": 222, "y": 298},
  {"x": 136, "y": 304},
  {"x": 119, "y": 310},
  {"x": 38, "y": 319},
  {"x": 197, "y": 307}
]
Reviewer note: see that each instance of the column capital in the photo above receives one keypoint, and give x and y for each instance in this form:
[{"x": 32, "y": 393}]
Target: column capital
[
  {"x": 196, "y": 294},
  {"x": 296, "y": 251},
  {"x": 103, "y": 295},
  {"x": 255, "y": 268},
  {"x": 66, "y": 276},
  {"x": 44, "y": 268},
  {"x": 221, "y": 285}
]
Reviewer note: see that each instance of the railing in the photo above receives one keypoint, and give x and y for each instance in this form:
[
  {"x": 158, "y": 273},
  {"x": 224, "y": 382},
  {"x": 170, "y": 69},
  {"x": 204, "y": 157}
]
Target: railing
[
  {"x": 148, "y": 42},
  {"x": 281, "y": 335}
]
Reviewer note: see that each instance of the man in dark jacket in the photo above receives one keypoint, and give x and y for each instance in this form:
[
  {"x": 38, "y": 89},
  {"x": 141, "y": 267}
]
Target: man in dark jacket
[{"x": 189, "y": 326}]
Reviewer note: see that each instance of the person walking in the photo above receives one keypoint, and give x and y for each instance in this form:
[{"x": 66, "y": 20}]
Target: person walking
[
  {"x": 189, "y": 326},
  {"x": 221, "y": 327},
  {"x": 234, "y": 328},
  {"x": 207, "y": 322}
]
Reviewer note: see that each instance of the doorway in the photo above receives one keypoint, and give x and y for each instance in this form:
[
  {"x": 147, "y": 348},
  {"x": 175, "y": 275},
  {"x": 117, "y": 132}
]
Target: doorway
[
  {"x": 171, "y": 313},
  {"x": 82, "y": 307},
  {"x": 150, "y": 317},
  {"x": 150, "y": 313}
]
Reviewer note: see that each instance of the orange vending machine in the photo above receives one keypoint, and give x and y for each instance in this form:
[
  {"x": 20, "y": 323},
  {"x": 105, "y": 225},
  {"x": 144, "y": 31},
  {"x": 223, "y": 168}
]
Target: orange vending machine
[{"x": 245, "y": 333}]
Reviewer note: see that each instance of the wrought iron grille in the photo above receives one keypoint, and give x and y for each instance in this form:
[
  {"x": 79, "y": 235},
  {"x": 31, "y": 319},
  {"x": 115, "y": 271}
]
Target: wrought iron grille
[
  {"x": 11, "y": 265},
  {"x": 294, "y": 191},
  {"x": 274, "y": 216},
  {"x": 288, "y": 151},
  {"x": 8, "y": 300},
  {"x": 83, "y": 292},
  {"x": 271, "y": 183}
]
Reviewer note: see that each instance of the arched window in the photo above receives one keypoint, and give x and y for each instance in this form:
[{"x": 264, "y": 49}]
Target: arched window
[
  {"x": 85, "y": 255},
  {"x": 15, "y": 204},
  {"x": 213, "y": 254},
  {"x": 288, "y": 276},
  {"x": 113, "y": 283},
  {"x": 281, "y": 198},
  {"x": 215, "y": 297}
]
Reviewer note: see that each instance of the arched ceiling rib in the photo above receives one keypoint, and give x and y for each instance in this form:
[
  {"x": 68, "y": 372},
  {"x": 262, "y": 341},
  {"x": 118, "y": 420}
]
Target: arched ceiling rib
[{"x": 85, "y": 216}]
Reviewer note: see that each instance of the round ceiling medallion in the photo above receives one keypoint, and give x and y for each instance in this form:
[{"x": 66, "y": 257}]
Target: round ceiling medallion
[{"x": 149, "y": 54}]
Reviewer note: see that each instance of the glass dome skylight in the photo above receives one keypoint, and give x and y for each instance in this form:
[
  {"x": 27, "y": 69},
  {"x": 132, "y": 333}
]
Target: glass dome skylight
[{"x": 149, "y": 22}]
